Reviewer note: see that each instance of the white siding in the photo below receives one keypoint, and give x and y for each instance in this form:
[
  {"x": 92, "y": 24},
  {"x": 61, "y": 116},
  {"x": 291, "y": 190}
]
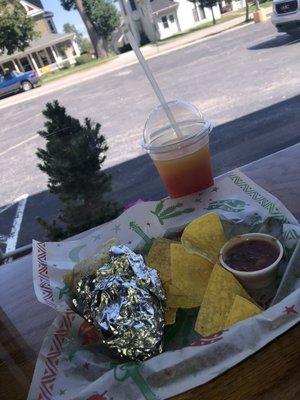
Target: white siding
[{"x": 186, "y": 16}]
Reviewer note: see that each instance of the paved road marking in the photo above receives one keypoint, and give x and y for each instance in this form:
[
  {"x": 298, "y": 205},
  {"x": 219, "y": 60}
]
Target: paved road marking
[
  {"x": 18, "y": 145},
  {"x": 24, "y": 121},
  {"x": 11, "y": 242}
]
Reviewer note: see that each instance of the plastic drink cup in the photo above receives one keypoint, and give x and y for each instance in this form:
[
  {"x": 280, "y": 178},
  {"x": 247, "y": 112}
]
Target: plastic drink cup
[{"x": 182, "y": 161}]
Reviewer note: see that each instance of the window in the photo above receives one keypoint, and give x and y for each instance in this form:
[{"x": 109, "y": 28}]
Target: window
[
  {"x": 132, "y": 5},
  {"x": 51, "y": 25},
  {"x": 8, "y": 77},
  {"x": 165, "y": 22},
  {"x": 171, "y": 18}
]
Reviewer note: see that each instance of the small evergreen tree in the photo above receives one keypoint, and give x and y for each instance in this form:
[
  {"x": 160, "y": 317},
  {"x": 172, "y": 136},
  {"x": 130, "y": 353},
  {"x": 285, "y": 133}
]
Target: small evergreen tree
[{"x": 72, "y": 159}]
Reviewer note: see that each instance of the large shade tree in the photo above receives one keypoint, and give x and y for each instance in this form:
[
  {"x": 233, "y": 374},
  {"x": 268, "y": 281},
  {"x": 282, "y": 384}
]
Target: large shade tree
[
  {"x": 100, "y": 17},
  {"x": 16, "y": 28}
]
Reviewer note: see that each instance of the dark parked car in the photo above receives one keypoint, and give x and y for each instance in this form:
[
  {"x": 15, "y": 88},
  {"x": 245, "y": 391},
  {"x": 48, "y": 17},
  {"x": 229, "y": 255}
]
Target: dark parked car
[{"x": 14, "y": 81}]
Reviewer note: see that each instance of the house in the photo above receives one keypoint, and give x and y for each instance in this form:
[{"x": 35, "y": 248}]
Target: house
[
  {"x": 49, "y": 51},
  {"x": 234, "y": 5},
  {"x": 159, "y": 19}
]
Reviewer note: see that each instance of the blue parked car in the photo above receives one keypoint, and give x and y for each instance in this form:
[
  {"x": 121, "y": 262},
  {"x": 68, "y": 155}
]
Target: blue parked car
[{"x": 14, "y": 81}]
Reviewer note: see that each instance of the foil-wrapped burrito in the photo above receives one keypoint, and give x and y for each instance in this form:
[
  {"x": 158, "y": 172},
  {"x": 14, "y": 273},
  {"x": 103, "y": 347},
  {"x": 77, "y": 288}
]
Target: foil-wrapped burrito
[{"x": 124, "y": 299}]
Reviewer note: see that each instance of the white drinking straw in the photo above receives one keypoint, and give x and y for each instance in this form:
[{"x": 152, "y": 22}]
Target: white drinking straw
[{"x": 152, "y": 80}]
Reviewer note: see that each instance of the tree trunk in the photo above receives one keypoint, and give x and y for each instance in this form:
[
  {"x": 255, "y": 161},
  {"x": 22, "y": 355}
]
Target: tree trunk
[
  {"x": 213, "y": 15},
  {"x": 96, "y": 40},
  {"x": 247, "y": 19}
]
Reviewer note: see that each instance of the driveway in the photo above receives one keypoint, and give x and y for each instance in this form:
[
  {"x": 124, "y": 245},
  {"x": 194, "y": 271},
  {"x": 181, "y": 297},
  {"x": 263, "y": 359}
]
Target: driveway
[{"x": 245, "y": 81}]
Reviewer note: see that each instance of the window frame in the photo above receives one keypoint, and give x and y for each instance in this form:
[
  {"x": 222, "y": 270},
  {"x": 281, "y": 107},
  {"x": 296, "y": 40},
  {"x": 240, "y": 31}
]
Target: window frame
[{"x": 164, "y": 20}]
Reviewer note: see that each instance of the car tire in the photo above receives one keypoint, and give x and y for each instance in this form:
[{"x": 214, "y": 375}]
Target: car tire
[{"x": 26, "y": 85}]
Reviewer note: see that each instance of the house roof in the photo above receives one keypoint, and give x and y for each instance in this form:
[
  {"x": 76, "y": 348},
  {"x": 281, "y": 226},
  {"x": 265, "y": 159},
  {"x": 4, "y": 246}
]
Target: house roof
[
  {"x": 36, "y": 3},
  {"x": 39, "y": 44},
  {"x": 159, "y": 5}
]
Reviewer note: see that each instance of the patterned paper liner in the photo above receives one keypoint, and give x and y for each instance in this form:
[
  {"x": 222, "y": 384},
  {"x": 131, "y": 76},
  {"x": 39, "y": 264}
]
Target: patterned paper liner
[{"x": 174, "y": 371}]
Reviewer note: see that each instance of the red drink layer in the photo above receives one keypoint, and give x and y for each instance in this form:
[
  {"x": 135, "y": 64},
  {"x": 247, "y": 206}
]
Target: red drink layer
[{"x": 188, "y": 174}]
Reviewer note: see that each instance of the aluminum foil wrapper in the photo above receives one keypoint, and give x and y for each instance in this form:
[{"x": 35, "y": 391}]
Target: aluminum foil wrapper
[{"x": 124, "y": 299}]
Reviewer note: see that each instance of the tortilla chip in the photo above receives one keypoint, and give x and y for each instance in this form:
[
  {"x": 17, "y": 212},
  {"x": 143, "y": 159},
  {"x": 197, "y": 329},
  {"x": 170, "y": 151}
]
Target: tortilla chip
[
  {"x": 173, "y": 290},
  {"x": 170, "y": 316},
  {"x": 181, "y": 302},
  {"x": 204, "y": 236},
  {"x": 189, "y": 272},
  {"x": 159, "y": 258},
  {"x": 219, "y": 296},
  {"x": 175, "y": 298},
  {"x": 241, "y": 309}
]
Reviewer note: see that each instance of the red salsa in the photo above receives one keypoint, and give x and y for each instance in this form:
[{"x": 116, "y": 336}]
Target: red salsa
[{"x": 251, "y": 255}]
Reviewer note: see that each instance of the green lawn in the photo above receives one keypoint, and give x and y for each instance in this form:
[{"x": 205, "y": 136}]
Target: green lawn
[{"x": 65, "y": 72}]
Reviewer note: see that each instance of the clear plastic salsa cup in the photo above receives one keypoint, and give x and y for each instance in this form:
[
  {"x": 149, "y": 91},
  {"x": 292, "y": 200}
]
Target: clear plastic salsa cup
[{"x": 182, "y": 161}]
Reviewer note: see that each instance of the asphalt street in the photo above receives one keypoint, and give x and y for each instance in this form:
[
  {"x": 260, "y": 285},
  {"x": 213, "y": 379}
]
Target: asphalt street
[{"x": 246, "y": 81}]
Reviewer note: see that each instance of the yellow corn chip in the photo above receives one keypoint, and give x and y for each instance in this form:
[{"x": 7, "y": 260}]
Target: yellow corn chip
[
  {"x": 189, "y": 272},
  {"x": 241, "y": 309},
  {"x": 159, "y": 258},
  {"x": 173, "y": 290},
  {"x": 177, "y": 299},
  {"x": 174, "y": 301},
  {"x": 170, "y": 316},
  {"x": 204, "y": 236},
  {"x": 219, "y": 296}
]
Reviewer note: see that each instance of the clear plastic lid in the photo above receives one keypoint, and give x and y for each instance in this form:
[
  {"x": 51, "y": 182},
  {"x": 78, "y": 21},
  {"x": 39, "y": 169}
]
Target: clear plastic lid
[{"x": 159, "y": 136}]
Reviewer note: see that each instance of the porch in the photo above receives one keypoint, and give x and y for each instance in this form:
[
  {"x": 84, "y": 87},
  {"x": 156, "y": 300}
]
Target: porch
[{"x": 44, "y": 55}]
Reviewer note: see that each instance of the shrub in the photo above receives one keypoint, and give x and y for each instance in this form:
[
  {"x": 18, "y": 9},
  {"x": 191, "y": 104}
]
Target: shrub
[
  {"x": 83, "y": 59},
  {"x": 65, "y": 65}
]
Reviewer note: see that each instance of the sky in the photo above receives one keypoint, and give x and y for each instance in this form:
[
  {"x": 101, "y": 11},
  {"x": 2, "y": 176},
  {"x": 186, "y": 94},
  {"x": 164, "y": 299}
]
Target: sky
[{"x": 61, "y": 16}]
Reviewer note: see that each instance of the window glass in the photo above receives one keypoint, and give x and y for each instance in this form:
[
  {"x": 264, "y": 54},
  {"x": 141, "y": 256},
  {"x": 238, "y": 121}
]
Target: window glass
[
  {"x": 132, "y": 5},
  {"x": 165, "y": 21},
  {"x": 7, "y": 77},
  {"x": 51, "y": 25},
  {"x": 171, "y": 18}
]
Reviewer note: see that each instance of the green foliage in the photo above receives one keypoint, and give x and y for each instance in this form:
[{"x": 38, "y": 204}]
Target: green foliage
[
  {"x": 103, "y": 15},
  {"x": 72, "y": 160},
  {"x": 65, "y": 65},
  {"x": 83, "y": 59},
  {"x": 68, "y": 4},
  {"x": 16, "y": 29},
  {"x": 86, "y": 46},
  {"x": 208, "y": 3},
  {"x": 71, "y": 28},
  {"x": 84, "y": 43}
]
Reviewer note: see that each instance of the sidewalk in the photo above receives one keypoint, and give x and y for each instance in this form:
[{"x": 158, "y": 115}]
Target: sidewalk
[{"x": 126, "y": 60}]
